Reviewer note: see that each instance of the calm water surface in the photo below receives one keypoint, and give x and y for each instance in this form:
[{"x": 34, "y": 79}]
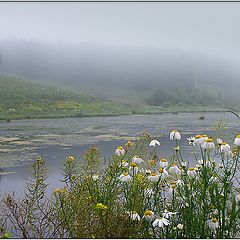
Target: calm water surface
[{"x": 55, "y": 139}]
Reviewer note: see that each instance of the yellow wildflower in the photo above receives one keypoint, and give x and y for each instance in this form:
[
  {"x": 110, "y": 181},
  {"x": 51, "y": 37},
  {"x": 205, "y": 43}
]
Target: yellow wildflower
[
  {"x": 70, "y": 158},
  {"x": 100, "y": 206}
]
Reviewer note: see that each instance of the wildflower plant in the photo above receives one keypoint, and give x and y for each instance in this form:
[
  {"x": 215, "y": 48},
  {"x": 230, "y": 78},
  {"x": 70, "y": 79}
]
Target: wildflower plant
[{"x": 139, "y": 194}]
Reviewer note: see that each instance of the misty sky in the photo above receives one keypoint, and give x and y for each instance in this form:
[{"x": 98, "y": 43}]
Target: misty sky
[{"x": 212, "y": 28}]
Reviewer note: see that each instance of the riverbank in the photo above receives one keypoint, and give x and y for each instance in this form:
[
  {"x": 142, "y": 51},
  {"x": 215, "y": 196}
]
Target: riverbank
[{"x": 153, "y": 111}]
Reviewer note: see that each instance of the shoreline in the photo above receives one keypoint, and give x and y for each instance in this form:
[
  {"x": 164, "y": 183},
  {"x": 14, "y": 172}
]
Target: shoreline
[{"x": 115, "y": 115}]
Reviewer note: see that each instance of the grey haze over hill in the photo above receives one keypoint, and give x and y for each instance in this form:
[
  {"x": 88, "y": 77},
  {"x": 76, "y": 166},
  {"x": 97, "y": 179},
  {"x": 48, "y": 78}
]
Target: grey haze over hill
[
  {"x": 205, "y": 27},
  {"x": 138, "y": 67},
  {"x": 128, "y": 48}
]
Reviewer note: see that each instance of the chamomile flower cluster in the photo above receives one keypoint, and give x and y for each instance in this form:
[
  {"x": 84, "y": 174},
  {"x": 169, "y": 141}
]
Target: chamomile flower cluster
[
  {"x": 155, "y": 220},
  {"x": 192, "y": 192}
]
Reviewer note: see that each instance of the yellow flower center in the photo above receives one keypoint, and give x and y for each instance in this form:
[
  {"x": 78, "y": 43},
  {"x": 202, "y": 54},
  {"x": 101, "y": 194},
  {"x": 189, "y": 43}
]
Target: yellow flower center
[
  {"x": 163, "y": 160},
  {"x": 204, "y": 135},
  {"x": 214, "y": 220},
  {"x": 173, "y": 165},
  {"x": 198, "y": 136},
  {"x": 209, "y": 140},
  {"x": 238, "y": 136},
  {"x": 133, "y": 164},
  {"x": 160, "y": 170},
  {"x": 93, "y": 149},
  {"x": 153, "y": 174},
  {"x": 129, "y": 144},
  {"x": 70, "y": 158},
  {"x": 120, "y": 147},
  {"x": 148, "y": 213},
  {"x": 125, "y": 174},
  {"x": 191, "y": 169},
  {"x": 173, "y": 185}
]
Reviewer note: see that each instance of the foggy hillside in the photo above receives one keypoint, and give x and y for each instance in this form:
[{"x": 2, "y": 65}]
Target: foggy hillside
[{"x": 123, "y": 69}]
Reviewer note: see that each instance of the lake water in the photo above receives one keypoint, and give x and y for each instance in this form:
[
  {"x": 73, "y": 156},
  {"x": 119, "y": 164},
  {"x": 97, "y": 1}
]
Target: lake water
[{"x": 22, "y": 141}]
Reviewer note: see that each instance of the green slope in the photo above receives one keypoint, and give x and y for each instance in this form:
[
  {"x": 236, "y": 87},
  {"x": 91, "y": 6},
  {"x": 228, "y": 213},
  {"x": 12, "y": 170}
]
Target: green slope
[
  {"x": 24, "y": 99},
  {"x": 20, "y": 98}
]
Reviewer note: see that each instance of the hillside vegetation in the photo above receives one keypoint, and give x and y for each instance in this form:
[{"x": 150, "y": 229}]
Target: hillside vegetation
[
  {"x": 20, "y": 98},
  {"x": 24, "y": 99},
  {"x": 185, "y": 96}
]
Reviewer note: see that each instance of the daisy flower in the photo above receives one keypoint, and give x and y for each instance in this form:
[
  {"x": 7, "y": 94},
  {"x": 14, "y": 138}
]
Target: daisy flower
[{"x": 161, "y": 222}]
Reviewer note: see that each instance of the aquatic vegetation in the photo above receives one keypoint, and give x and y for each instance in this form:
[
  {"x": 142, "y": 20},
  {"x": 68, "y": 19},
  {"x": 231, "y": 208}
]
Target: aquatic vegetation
[{"x": 138, "y": 194}]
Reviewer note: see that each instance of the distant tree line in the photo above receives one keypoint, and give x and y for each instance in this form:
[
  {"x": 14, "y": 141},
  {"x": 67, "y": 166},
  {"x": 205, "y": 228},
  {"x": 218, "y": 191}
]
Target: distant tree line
[{"x": 180, "y": 95}]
